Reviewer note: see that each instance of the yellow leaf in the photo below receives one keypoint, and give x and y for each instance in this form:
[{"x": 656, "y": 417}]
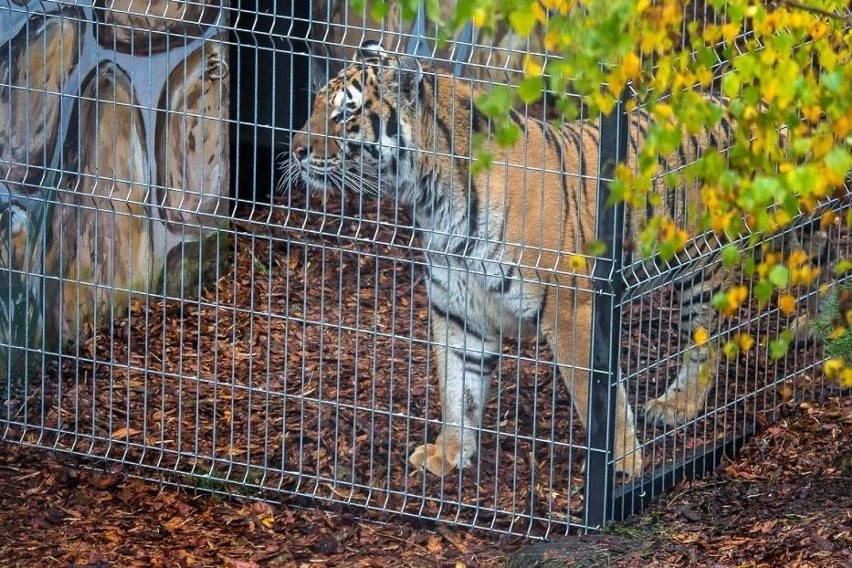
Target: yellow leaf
[
  {"x": 730, "y": 32},
  {"x": 604, "y": 102},
  {"x": 812, "y": 113},
  {"x": 833, "y": 367},
  {"x": 734, "y": 298},
  {"x": 745, "y": 341},
  {"x": 837, "y": 332},
  {"x": 479, "y": 17},
  {"x": 700, "y": 336},
  {"x": 540, "y": 13},
  {"x": 797, "y": 258},
  {"x": 846, "y": 378},
  {"x": 768, "y": 90},
  {"x": 561, "y": 6},
  {"x": 818, "y": 29},
  {"x": 821, "y": 145},
  {"x": 841, "y": 125},
  {"x": 577, "y": 263},
  {"x": 787, "y": 304},
  {"x": 730, "y": 349},
  {"x": 631, "y": 65},
  {"x": 663, "y": 111},
  {"x": 532, "y": 67}
]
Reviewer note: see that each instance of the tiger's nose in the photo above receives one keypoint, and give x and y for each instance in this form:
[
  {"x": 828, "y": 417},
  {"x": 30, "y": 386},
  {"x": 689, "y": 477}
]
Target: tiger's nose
[{"x": 300, "y": 152}]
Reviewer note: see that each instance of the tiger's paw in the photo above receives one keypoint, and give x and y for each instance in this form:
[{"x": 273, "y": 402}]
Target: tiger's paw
[
  {"x": 439, "y": 458},
  {"x": 631, "y": 464},
  {"x": 672, "y": 409}
]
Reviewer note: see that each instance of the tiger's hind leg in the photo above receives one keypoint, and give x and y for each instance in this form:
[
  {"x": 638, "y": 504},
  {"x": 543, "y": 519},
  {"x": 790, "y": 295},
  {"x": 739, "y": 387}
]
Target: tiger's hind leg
[{"x": 686, "y": 398}]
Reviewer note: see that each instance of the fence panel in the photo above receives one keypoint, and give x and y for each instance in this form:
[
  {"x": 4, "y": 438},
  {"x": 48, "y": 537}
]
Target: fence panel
[{"x": 194, "y": 289}]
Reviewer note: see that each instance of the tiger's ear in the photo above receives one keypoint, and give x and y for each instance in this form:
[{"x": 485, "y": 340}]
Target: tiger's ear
[
  {"x": 410, "y": 76},
  {"x": 371, "y": 50},
  {"x": 409, "y": 72}
]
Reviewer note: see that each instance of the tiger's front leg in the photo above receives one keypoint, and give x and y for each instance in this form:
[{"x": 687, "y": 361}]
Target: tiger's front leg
[{"x": 466, "y": 358}]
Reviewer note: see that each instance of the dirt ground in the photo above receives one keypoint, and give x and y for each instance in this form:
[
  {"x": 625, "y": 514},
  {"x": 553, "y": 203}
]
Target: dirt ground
[{"x": 785, "y": 501}]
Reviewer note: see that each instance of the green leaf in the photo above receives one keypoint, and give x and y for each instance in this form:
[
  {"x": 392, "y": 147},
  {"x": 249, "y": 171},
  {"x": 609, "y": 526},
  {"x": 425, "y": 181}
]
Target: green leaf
[
  {"x": 433, "y": 10},
  {"x": 409, "y": 8},
  {"x": 833, "y": 81},
  {"x": 730, "y": 349},
  {"x": 730, "y": 255},
  {"x": 762, "y": 291},
  {"x": 567, "y": 107},
  {"x": 483, "y": 158},
  {"x": 666, "y": 250},
  {"x": 778, "y": 348},
  {"x": 522, "y": 21},
  {"x": 531, "y": 89},
  {"x": 843, "y": 266},
  {"x": 719, "y": 300},
  {"x": 764, "y": 190},
  {"x": 803, "y": 179},
  {"x": 839, "y": 160},
  {"x": 749, "y": 267},
  {"x": 506, "y": 133},
  {"x": 379, "y": 10},
  {"x": 497, "y": 102},
  {"x": 731, "y": 84},
  {"x": 736, "y": 11},
  {"x": 779, "y": 276},
  {"x": 595, "y": 248}
]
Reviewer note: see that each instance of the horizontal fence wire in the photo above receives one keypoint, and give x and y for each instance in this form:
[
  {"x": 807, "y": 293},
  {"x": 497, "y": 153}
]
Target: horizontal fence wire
[{"x": 175, "y": 300}]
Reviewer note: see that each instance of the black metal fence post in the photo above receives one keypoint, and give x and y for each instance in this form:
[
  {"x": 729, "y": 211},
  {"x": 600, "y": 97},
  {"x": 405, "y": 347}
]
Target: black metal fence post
[{"x": 606, "y": 326}]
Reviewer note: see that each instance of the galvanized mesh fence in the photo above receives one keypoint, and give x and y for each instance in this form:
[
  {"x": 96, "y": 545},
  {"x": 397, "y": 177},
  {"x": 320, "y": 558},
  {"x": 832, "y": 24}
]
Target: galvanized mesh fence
[{"x": 164, "y": 312}]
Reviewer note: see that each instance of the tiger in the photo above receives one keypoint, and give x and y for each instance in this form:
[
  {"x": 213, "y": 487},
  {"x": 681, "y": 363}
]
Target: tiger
[{"x": 496, "y": 240}]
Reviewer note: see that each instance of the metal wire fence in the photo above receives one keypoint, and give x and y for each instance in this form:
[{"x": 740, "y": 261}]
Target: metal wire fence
[{"x": 164, "y": 309}]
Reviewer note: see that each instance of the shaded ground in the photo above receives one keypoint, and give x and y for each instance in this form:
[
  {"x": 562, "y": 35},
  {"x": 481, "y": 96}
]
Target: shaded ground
[{"x": 786, "y": 501}]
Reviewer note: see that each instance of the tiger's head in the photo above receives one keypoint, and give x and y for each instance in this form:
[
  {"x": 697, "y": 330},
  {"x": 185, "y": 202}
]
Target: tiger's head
[{"x": 359, "y": 134}]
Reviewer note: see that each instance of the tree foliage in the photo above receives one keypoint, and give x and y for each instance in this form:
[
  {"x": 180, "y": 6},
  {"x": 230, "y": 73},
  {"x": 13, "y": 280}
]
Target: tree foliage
[{"x": 786, "y": 73}]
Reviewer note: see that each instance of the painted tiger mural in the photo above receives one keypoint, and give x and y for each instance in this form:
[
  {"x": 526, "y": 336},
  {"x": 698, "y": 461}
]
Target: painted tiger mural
[{"x": 497, "y": 242}]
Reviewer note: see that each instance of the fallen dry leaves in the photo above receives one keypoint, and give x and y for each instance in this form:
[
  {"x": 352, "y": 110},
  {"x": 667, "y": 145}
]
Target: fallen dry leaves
[{"x": 793, "y": 509}]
